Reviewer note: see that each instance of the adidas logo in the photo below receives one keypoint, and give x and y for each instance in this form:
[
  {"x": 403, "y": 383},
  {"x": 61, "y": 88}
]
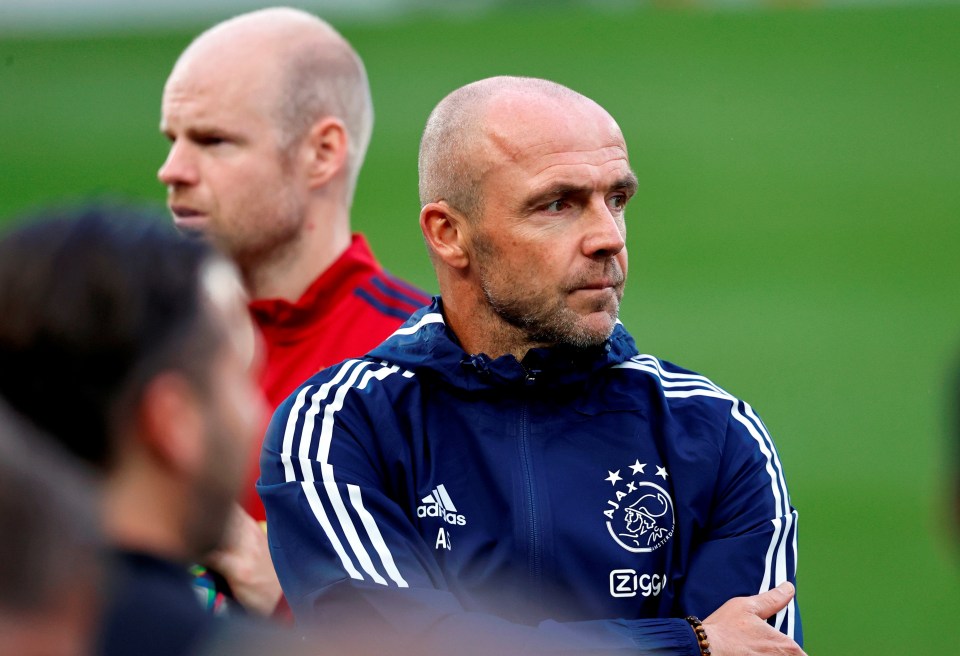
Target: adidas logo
[{"x": 439, "y": 504}]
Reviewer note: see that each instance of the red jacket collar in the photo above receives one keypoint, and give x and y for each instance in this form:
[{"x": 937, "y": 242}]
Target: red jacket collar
[{"x": 279, "y": 316}]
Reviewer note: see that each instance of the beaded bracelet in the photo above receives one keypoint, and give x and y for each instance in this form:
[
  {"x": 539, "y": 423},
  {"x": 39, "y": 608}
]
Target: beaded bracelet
[{"x": 701, "y": 634}]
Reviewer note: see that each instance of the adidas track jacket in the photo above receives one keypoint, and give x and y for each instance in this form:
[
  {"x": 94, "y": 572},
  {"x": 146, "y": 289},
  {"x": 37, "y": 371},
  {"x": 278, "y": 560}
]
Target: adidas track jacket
[{"x": 577, "y": 502}]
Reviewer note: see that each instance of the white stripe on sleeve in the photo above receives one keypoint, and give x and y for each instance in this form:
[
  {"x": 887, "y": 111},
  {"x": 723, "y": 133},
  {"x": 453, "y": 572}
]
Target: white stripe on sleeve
[
  {"x": 310, "y": 490},
  {"x": 287, "y": 449},
  {"x": 775, "y": 561},
  {"x": 347, "y": 525},
  {"x": 376, "y": 538}
]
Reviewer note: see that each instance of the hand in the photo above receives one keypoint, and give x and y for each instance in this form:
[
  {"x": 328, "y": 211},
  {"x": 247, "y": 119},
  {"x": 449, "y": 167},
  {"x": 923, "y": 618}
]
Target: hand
[
  {"x": 244, "y": 561},
  {"x": 739, "y": 627}
]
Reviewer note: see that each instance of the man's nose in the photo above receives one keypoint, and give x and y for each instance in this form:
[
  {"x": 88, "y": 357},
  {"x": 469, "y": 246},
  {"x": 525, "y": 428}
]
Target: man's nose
[
  {"x": 179, "y": 167},
  {"x": 606, "y": 234}
]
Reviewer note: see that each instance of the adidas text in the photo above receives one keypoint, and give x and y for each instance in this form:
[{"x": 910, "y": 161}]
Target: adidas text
[{"x": 433, "y": 510}]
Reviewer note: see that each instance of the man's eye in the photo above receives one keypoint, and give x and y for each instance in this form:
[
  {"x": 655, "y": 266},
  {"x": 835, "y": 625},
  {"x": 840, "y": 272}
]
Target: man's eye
[
  {"x": 618, "y": 201},
  {"x": 555, "y": 206},
  {"x": 210, "y": 140}
]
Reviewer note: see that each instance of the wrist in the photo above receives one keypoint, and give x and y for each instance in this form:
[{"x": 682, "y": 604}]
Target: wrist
[{"x": 700, "y": 633}]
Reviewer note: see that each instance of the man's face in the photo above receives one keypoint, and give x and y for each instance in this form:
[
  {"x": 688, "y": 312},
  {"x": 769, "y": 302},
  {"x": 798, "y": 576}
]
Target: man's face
[
  {"x": 226, "y": 173},
  {"x": 549, "y": 246},
  {"x": 234, "y": 408}
]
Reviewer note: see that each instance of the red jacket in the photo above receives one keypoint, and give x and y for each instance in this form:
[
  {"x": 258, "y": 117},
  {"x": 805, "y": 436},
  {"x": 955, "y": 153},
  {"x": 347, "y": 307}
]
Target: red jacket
[{"x": 352, "y": 307}]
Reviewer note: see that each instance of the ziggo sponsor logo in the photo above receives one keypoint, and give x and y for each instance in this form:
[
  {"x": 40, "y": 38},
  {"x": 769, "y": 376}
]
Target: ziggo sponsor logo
[{"x": 627, "y": 583}]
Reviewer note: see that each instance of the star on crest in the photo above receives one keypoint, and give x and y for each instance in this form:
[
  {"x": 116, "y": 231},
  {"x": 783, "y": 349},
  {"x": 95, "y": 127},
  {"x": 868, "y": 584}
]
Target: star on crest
[
  {"x": 662, "y": 472},
  {"x": 637, "y": 467},
  {"x": 613, "y": 477}
]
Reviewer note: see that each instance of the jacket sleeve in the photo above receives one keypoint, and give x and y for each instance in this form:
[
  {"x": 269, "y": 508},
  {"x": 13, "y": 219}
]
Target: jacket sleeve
[
  {"x": 749, "y": 544},
  {"x": 351, "y": 562}
]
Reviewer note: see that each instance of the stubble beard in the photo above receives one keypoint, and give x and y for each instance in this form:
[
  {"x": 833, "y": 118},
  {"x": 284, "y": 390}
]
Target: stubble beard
[
  {"x": 266, "y": 238},
  {"x": 544, "y": 321},
  {"x": 269, "y": 229},
  {"x": 550, "y": 323},
  {"x": 214, "y": 492}
]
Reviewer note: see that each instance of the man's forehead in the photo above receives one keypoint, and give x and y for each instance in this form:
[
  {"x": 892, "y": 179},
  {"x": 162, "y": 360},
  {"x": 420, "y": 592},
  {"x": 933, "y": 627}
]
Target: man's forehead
[
  {"x": 522, "y": 126},
  {"x": 205, "y": 68},
  {"x": 242, "y": 59},
  {"x": 564, "y": 152},
  {"x": 215, "y": 89},
  {"x": 602, "y": 168}
]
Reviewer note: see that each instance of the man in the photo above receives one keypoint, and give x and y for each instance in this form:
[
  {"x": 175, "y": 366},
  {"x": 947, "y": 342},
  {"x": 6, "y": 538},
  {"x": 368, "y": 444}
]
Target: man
[
  {"x": 50, "y": 565},
  {"x": 133, "y": 349},
  {"x": 269, "y": 116},
  {"x": 507, "y": 467}
]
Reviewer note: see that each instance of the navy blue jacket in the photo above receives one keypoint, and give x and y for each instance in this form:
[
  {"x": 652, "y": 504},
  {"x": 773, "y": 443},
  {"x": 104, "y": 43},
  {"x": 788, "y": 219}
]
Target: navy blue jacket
[
  {"x": 152, "y": 609},
  {"x": 579, "y": 501}
]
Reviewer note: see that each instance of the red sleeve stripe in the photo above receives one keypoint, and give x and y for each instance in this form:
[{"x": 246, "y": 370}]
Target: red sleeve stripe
[{"x": 399, "y": 294}]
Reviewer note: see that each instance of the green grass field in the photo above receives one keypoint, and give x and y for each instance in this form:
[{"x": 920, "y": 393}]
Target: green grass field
[{"x": 796, "y": 236}]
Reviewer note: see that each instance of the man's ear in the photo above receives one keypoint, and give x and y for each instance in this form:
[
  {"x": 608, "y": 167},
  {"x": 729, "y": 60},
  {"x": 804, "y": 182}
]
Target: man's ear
[
  {"x": 444, "y": 229},
  {"x": 326, "y": 150},
  {"x": 170, "y": 423}
]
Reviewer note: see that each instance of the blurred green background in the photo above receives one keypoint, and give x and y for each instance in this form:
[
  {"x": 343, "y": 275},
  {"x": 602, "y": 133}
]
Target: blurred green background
[{"x": 796, "y": 236}]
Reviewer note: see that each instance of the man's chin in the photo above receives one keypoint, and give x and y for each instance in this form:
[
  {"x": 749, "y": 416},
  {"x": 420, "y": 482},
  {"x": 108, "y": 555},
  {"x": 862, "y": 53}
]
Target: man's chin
[
  {"x": 597, "y": 327},
  {"x": 191, "y": 232},
  {"x": 588, "y": 332}
]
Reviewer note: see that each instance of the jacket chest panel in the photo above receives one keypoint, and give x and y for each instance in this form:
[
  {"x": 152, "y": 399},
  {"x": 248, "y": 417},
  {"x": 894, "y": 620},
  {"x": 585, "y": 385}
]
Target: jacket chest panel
[{"x": 566, "y": 501}]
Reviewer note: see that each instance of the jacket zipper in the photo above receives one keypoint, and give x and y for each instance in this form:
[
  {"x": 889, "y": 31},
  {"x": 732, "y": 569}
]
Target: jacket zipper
[{"x": 532, "y": 523}]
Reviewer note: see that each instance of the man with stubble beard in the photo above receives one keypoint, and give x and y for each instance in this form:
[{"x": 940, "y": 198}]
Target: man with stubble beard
[{"x": 508, "y": 473}]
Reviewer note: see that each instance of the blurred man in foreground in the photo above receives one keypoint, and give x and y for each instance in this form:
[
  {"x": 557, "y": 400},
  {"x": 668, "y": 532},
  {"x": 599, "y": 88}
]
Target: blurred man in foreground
[
  {"x": 507, "y": 473},
  {"x": 269, "y": 116},
  {"x": 50, "y": 551},
  {"x": 133, "y": 348}
]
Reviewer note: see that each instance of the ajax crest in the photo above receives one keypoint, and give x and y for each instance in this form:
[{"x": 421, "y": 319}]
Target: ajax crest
[{"x": 640, "y": 513}]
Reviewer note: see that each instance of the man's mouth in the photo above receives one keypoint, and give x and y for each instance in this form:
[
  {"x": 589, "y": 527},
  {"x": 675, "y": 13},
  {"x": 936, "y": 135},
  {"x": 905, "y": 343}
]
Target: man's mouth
[
  {"x": 609, "y": 280},
  {"x": 189, "y": 221},
  {"x": 603, "y": 283},
  {"x": 187, "y": 218}
]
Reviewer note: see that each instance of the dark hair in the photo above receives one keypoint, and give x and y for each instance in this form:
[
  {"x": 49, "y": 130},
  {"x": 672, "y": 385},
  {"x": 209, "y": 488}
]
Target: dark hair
[
  {"x": 48, "y": 519},
  {"x": 94, "y": 301}
]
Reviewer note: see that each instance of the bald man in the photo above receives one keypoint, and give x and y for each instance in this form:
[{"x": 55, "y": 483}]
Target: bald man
[
  {"x": 507, "y": 473},
  {"x": 268, "y": 117}
]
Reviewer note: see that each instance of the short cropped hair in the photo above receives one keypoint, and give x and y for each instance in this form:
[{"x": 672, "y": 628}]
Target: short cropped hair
[
  {"x": 450, "y": 165},
  {"x": 446, "y": 165},
  {"x": 321, "y": 81},
  {"x": 96, "y": 301},
  {"x": 319, "y": 74}
]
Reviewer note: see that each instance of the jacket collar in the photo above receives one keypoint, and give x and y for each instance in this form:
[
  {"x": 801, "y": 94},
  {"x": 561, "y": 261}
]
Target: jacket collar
[
  {"x": 426, "y": 346},
  {"x": 280, "y": 319}
]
